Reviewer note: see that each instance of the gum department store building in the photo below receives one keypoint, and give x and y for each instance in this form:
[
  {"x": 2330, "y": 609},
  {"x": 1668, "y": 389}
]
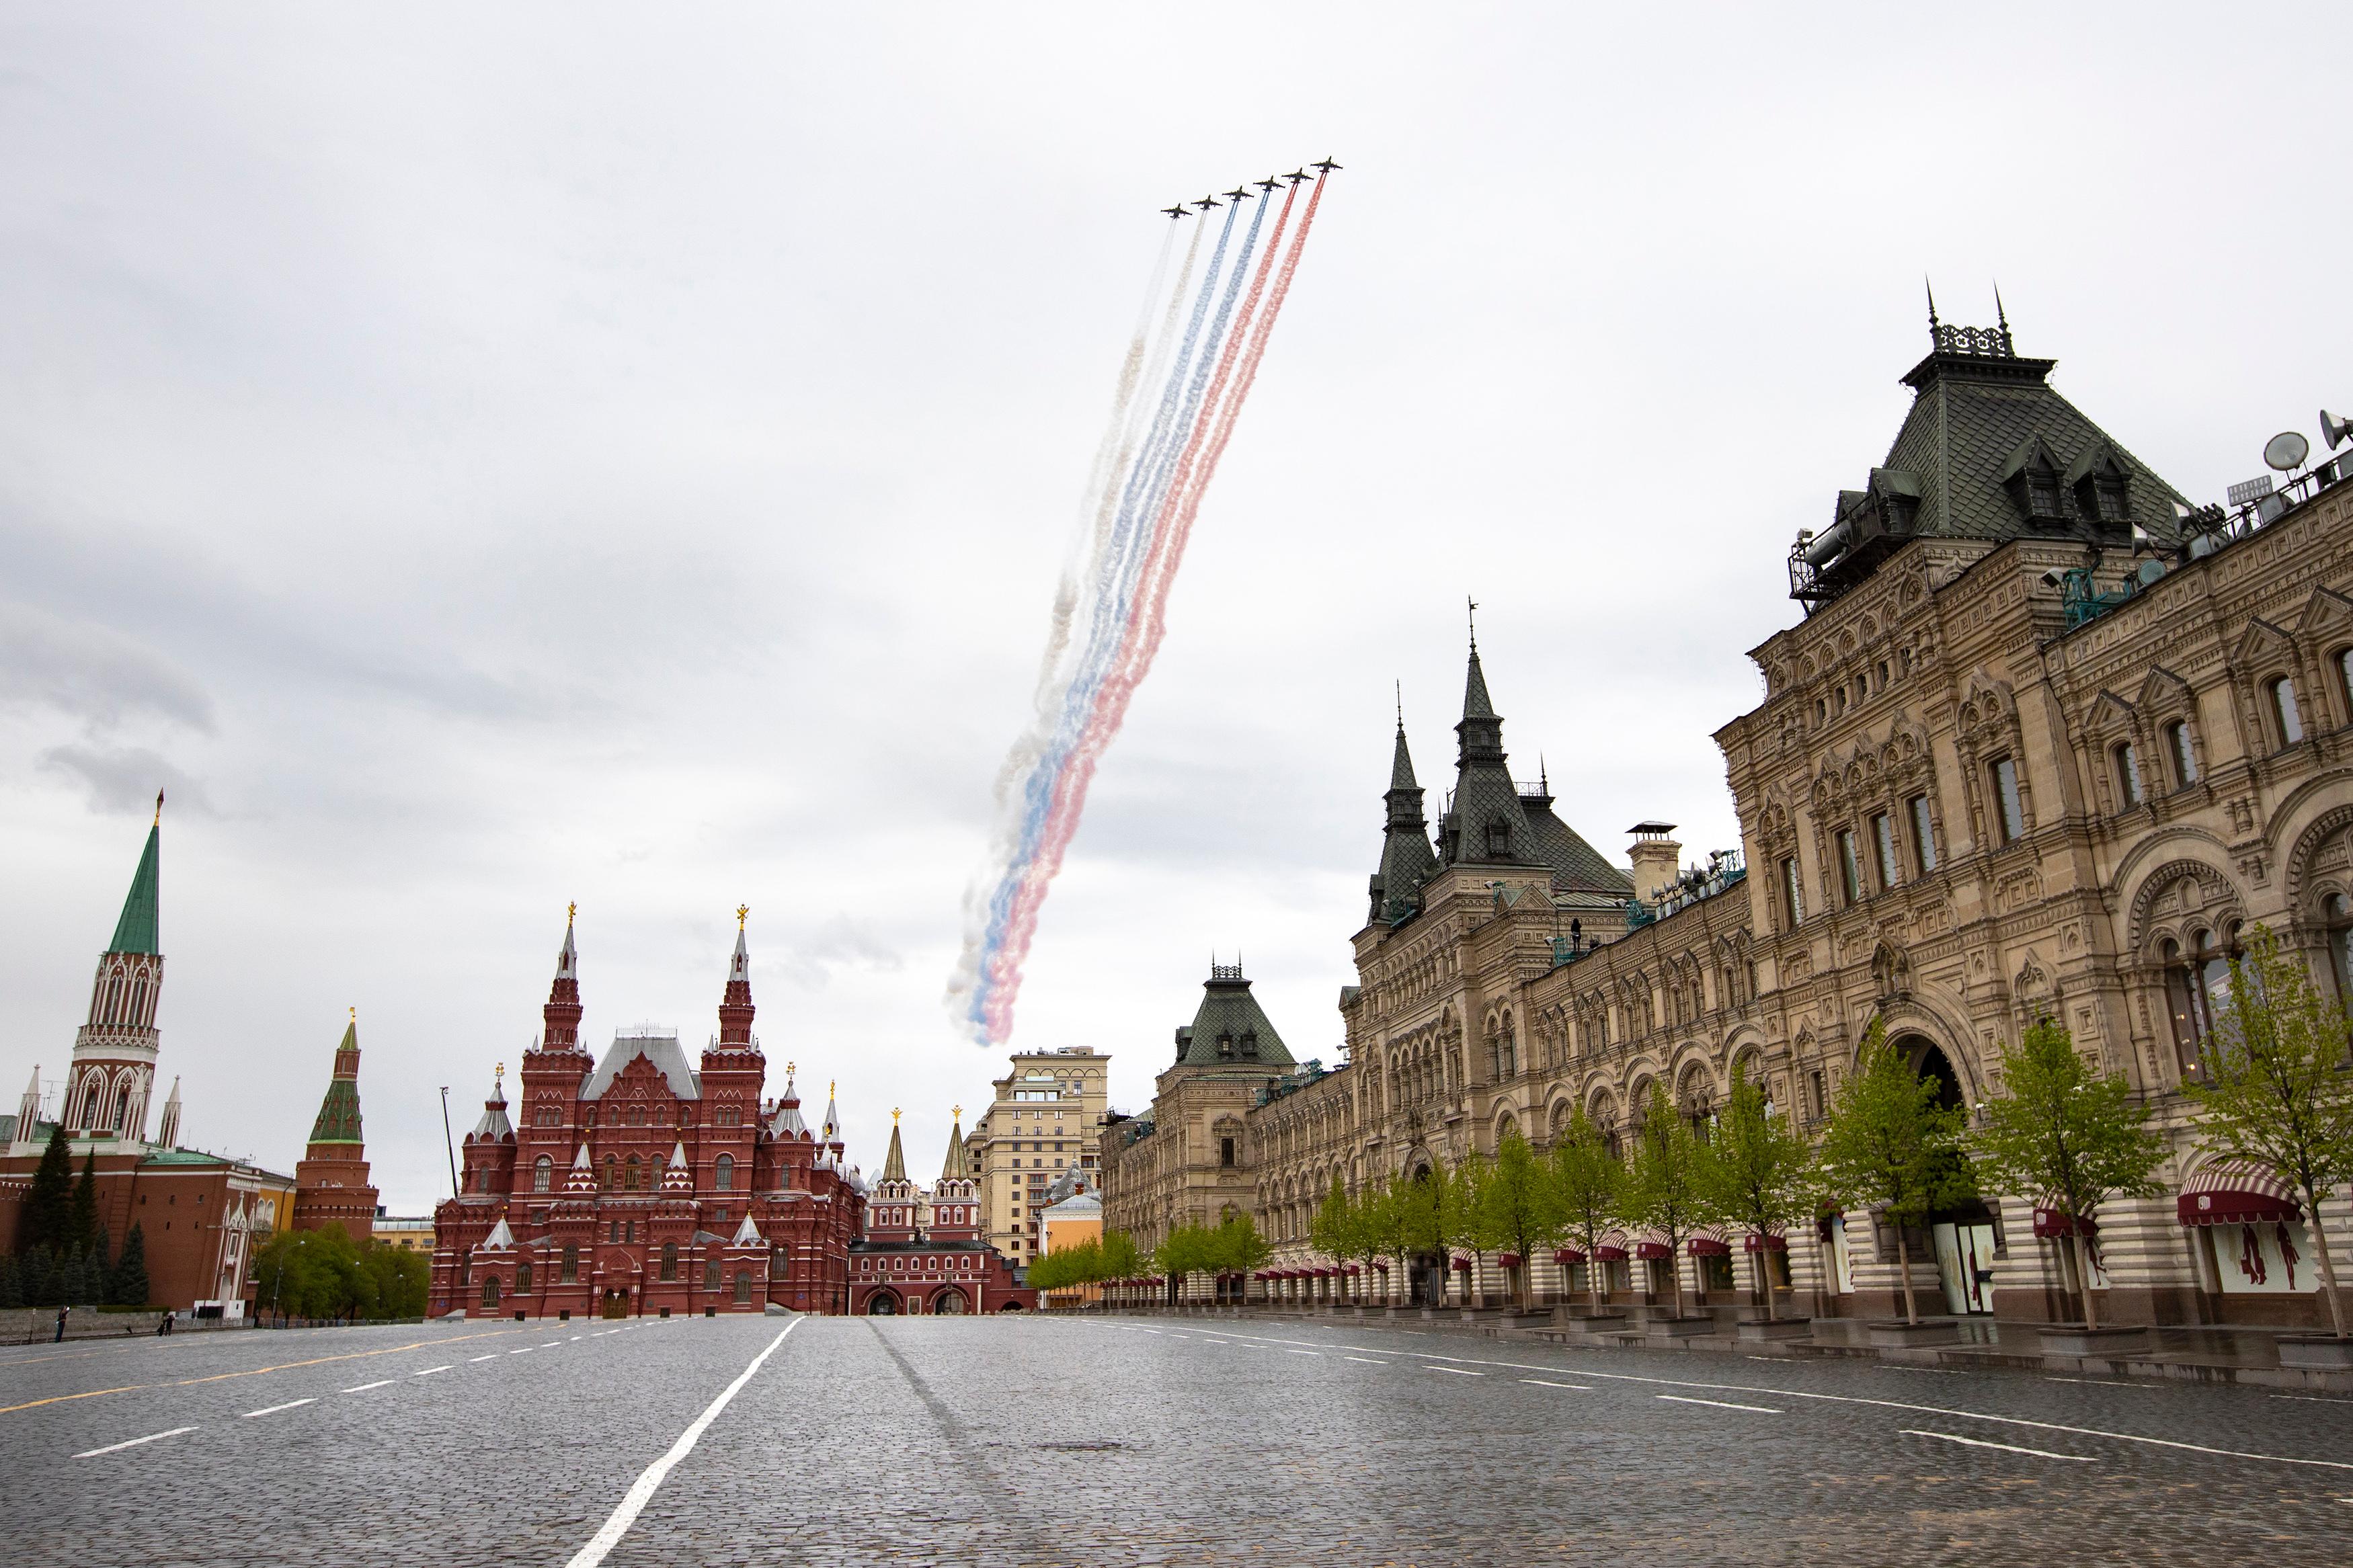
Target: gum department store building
[{"x": 2045, "y": 739}]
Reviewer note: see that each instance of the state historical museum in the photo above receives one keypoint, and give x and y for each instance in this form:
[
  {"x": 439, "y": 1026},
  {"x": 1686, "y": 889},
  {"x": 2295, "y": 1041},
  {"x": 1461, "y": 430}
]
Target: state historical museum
[{"x": 642, "y": 1184}]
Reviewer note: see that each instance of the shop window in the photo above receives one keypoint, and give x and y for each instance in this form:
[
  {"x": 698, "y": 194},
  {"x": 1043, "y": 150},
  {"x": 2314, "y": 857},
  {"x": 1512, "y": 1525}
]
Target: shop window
[
  {"x": 2287, "y": 721},
  {"x": 1923, "y": 837},
  {"x": 2008, "y": 809},
  {"x": 2179, "y": 751},
  {"x": 1882, "y": 842},
  {"x": 2127, "y": 775}
]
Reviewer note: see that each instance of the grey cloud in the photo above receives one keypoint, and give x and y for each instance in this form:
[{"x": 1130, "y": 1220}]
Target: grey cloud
[
  {"x": 91, "y": 672},
  {"x": 841, "y": 945},
  {"x": 121, "y": 781}
]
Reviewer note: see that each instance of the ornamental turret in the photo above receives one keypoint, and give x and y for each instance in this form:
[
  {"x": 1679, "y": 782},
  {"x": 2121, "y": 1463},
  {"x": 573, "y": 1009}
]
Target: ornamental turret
[
  {"x": 330, "y": 1181},
  {"x": 1406, "y": 858},
  {"x": 113, "y": 1069}
]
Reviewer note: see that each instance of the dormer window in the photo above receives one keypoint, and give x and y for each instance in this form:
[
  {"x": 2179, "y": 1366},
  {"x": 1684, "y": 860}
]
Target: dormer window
[
  {"x": 1499, "y": 839},
  {"x": 1225, "y": 1048},
  {"x": 2031, "y": 477},
  {"x": 1249, "y": 1045},
  {"x": 2098, "y": 480}
]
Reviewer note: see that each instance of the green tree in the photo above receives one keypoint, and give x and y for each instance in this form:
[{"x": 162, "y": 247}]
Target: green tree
[
  {"x": 1121, "y": 1259},
  {"x": 1887, "y": 1145},
  {"x": 313, "y": 1274},
  {"x": 1663, "y": 1192},
  {"x": 129, "y": 1286},
  {"x": 2274, "y": 1093},
  {"x": 81, "y": 1219},
  {"x": 1433, "y": 1207},
  {"x": 1386, "y": 1228},
  {"x": 1235, "y": 1247},
  {"x": 1339, "y": 1229},
  {"x": 1518, "y": 1208},
  {"x": 2059, "y": 1128},
  {"x": 101, "y": 1267},
  {"x": 1188, "y": 1249},
  {"x": 48, "y": 1201},
  {"x": 1588, "y": 1184},
  {"x": 399, "y": 1279},
  {"x": 1756, "y": 1173},
  {"x": 41, "y": 1285},
  {"x": 1065, "y": 1266}
]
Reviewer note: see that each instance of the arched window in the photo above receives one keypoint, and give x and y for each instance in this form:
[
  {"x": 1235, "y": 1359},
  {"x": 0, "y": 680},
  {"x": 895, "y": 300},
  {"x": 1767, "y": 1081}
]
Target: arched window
[
  {"x": 722, "y": 1175},
  {"x": 138, "y": 1001},
  {"x": 543, "y": 1173},
  {"x": 637, "y": 1116},
  {"x": 612, "y": 1172},
  {"x": 670, "y": 1260},
  {"x": 2197, "y": 986},
  {"x": 711, "y": 1275},
  {"x": 2179, "y": 754},
  {"x": 2288, "y": 722},
  {"x": 2127, "y": 775},
  {"x": 2344, "y": 680},
  {"x": 121, "y": 1121},
  {"x": 490, "y": 1292},
  {"x": 2340, "y": 913},
  {"x": 523, "y": 1278},
  {"x": 629, "y": 1175},
  {"x": 114, "y": 1001},
  {"x": 743, "y": 1286},
  {"x": 571, "y": 1274}
]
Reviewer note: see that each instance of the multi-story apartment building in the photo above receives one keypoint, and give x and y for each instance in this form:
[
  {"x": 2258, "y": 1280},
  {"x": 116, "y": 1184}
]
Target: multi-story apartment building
[
  {"x": 2046, "y": 742},
  {"x": 1042, "y": 1122}
]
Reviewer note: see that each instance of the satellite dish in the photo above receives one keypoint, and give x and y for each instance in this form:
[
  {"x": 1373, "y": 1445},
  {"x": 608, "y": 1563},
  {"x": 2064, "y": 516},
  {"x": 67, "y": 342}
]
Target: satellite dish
[
  {"x": 2150, "y": 570},
  {"x": 2333, "y": 430},
  {"x": 2286, "y": 450}
]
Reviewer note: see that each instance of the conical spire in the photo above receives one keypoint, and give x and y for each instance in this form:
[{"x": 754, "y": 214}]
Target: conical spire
[
  {"x": 338, "y": 1113},
  {"x": 168, "y": 1134},
  {"x": 560, "y": 1019},
  {"x": 832, "y": 1117},
  {"x": 1485, "y": 823},
  {"x": 736, "y": 1010},
  {"x": 137, "y": 930},
  {"x": 29, "y": 1109},
  {"x": 895, "y": 1164},
  {"x": 951, "y": 1169},
  {"x": 1406, "y": 858}
]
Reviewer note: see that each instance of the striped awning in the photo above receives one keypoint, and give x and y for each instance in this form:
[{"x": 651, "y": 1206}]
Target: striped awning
[
  {"x": 1564, "y": 1255},
  {"x": 1709, "y": 1241},
  {"x": 1612, "y": 1248},
  {"x": 2232, "y": 1192},
  {"x": 1767, "y": 1242},
  {"x": 1649, "y": 1245},
  {"x": 2052, "y": 1222}
]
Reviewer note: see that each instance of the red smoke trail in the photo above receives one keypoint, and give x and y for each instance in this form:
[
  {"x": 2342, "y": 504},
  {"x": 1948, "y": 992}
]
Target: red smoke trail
[{"x": 1142, "y": 644}]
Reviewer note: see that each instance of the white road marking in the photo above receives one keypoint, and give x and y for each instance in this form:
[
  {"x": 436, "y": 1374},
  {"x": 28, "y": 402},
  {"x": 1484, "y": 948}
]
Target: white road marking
[
  {"x": 1369, "y": 1360},
  {"x": 429, "y": 1371},
  {"x": 576, "y": 1339},
  {"x": 118, "y": 1448},
  {"x": 274, "y": 1409},
  {"x": 363, "y": 1388},
  {"x": 1455, "y": 1370},
  {"x": 2312, "y": 1399},
  {"x": 1917, "y": 1409},
  {"x": 1722, "y": 1405},
  {"x": 642, "y": 1491},
  {"x": 2100, "y": 1382},
  {"x": 1303, "y": 1353},
  {"x": 526, "y": 1351},
  {"x": 552, "y": 1344},
  {"x": 1540, "y": 1383},
  {"x": 1938, "y": 1370},
  {"x": 2005, "y": 1447},
  {"x": 492, "y": 1356}
]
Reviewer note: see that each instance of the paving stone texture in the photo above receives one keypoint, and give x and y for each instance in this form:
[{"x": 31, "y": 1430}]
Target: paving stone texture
[{"x": 1029, "y": 1440}]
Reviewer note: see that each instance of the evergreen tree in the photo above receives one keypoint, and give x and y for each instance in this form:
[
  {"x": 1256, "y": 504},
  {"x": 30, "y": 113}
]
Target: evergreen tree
[
  {"x": 1887, "y": 1147},
  {"x": 129, "y": 1286},
  {"x": 102, "y": 1268},
  {"x": 82, "y": 1216},
  {"x": 1664, "y": 1193},
  {"x": 73, "y": 1280},
  {"x": 49, "y": 1202},
  {"x": 40, "y": 1286},
  {"x": 12, "y": 1289},
  {"x": 1756, "y": 1173},
  {"x": 1518, "y": 1208},
  {"x": 1588, "y": 1183},
  {"x": 2275, "y": 1093},
  {"x": 2060, "y": 1129}
]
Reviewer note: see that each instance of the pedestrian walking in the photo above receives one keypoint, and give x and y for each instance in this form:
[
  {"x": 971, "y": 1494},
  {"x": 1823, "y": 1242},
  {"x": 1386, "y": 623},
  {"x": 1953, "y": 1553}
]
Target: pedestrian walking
[
  {"x": 164, "y": 1327},
  {"x": 61, "y": 1325}
]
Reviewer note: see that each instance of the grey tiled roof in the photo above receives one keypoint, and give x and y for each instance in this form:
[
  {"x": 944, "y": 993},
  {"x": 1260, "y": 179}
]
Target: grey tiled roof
[
  {"x": 661, "y": 1050},
  {"x": 1577, "y": 865}
]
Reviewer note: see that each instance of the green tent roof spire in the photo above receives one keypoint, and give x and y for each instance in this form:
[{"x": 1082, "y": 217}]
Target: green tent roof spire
[{"x": 137, "y": 930}]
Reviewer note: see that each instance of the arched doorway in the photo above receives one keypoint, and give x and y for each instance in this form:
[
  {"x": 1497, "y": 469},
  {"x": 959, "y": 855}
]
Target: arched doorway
[
  {"x": 882, "y": 1304},
  {"x": 951, "y": 1301},
  {"x": 1426, "y": 1271},
  {"x": 1964, "y": 1237}
]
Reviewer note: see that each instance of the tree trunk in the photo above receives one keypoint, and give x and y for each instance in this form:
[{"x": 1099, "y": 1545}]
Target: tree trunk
[
  {"x": 2083, "y": 1272},
  {"x": 1904, "y": 1266},
  {"x": 1765, "y": 1281},
  {"x": 2328, "y": 1263},
  {"x": 1675, "y": 1273}
]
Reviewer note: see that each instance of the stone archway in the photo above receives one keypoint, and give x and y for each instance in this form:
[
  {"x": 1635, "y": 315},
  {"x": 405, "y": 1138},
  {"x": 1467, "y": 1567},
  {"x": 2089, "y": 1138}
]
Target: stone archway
[
  {"x": 882, "y": 1304},
  {"x": 1928, "y": 1058},
  {"x": 951, "y": 1301}
]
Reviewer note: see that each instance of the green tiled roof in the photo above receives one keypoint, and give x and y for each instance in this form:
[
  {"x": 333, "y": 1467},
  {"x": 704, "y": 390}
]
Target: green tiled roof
[
  {"x": 1228, "y": 1013},
  {"x": 136, "y": 931}
]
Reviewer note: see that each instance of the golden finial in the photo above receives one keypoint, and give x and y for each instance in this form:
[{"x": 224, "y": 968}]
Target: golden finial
[
  {"x": 502, "y": 1072},
  {"x": 830, "y": 1085},
  {"x": 895, "y": 1116},
  {"x": 355, "y": 1014},
  {"x": 789, "y": 1068},
  {"x": 742, "y": 913},
  {"x": 956, "y": 1112},
  {"x": 158, "y": 808},
  {"x": 571, "y": 912}
]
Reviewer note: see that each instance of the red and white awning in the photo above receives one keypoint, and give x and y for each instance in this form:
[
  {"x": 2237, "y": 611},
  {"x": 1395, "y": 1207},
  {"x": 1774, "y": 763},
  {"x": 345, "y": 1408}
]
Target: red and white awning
[
  {"x": 2232, "y": 1192},
  {"x": 1612, "y": 1248},
  {"x": 1709, "y": 1241}
]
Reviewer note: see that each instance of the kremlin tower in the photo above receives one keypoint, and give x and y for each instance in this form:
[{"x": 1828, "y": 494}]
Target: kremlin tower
[{"x": 331, "y": 1181}]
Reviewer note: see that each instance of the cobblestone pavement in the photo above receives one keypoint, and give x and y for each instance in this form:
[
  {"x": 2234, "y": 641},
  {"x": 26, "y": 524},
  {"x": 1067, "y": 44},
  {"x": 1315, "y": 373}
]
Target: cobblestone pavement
[{"x": 1021, "y": 1440}]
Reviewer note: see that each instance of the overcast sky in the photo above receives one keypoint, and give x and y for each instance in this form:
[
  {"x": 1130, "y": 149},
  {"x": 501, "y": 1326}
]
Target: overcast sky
[{"x": 483, "y": 458}]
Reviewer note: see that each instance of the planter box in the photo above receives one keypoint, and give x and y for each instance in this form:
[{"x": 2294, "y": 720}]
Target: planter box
[
  {"x": 1895, "y": 1334},
  {"x": 2315, "y": 1352},
  {"x": 1595, "y": 1323},
  {"x": 1757, "y": 1331},
  {"x": 1678, "y": 1328},
  {"x": 2075, "y": 1340}
]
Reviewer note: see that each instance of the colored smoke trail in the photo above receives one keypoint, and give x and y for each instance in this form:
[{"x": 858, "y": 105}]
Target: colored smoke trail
[{"x": 1152, "y": 470}]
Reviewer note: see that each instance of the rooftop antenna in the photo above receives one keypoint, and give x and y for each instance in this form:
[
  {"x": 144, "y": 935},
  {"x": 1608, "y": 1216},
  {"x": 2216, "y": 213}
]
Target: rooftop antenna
[
  {"x": 1474, "y": 622},
  {"x": 2000, "y": 315},
  {"x": 1400, "y": 685},
  {"x": 1932, "y": 305}
]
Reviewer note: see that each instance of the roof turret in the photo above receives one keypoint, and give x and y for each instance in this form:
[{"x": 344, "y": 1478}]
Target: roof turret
[
  {"x": 953, "y": 1167},
  {"x": 895, "y": 1164},
  {"x": 137, "y": 930},
  {"x": 1229, "y": 1029},
  {"x": 736, "y": 1010},
  {"x": 1406, "y": 858},
  {"x": 560, "y": 1019},
  {"x": 494, "y": 1124},
  {"x": 338, "y": 1113},
  {"x": 1485, "y": 824}
]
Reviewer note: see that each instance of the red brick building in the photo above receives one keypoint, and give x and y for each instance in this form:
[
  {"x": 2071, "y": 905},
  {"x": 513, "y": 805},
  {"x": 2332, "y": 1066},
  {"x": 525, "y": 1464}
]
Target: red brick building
[
  {"x": 923, "y": 1252},
  {"x": 642, "y": 1184},
  {"x": 201, "y": 1216},
  {"x": 330, "y": 1180}
]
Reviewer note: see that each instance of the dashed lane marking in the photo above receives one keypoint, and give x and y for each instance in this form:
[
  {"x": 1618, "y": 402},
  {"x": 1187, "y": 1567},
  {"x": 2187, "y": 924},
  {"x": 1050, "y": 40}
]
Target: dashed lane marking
[
  {"x": 1288, "y": 1352},
  {"x": 256, "y": 1371},
  {"x": 274, "y": 1409},
  {"x": 1457, "y": 1371},
  {"x": 2100, "y": 1382},
  {"x": 2313, "y": 1399},
  {"x": 641, "y": 1492},
  {"x": 1723, "y": 1405},
  {"x": 526, "y": 1351},
  {"x": 471, "y": 1360},
  {"x": 554, "y": 1343},
  {"x": 363, "y": 1388},
  {"x": 118, "y": 1448},
  {"x": 1369, "y": 1360},
  {"x": 2005, "y": 1447},
  {"x": 429, "y": 1372},
  {"x": 1540, "y": 1383}
]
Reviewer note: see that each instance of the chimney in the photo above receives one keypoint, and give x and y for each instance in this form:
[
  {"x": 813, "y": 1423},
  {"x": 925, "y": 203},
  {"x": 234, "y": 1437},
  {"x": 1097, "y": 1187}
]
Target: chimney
[{"x": 1657, "y": 859}]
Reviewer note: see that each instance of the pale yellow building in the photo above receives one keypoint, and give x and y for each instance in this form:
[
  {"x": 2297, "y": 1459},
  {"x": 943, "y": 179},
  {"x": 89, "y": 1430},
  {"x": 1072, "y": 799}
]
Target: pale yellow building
[
  {"x": 408, "y": 1233},
  {"x": 1042, "y": 1121},
  {"x": 1072, "y": 1222}
]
